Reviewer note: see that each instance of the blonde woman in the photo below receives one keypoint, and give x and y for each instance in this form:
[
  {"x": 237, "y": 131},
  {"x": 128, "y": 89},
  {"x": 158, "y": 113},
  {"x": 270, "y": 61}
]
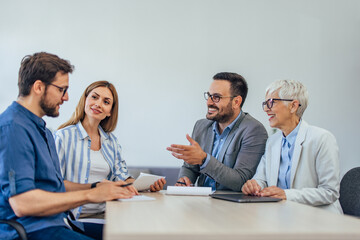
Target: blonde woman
[{"x": 88, "y": 151}]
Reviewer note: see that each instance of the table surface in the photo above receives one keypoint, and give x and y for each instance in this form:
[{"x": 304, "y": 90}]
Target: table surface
[{"x": 202, "y": 217}]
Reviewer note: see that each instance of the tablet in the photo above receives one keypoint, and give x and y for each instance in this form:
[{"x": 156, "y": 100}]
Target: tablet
[{"x": 242, "y": 198}]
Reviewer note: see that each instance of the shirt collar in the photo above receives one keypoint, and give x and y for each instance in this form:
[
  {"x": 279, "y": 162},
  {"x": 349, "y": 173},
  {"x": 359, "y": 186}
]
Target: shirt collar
[
  {"x": 229, "y": 127},
  {"x": 84, "y": 134},
  {"x": 33, "y": 117},
  {"x": 292, "y": 136}
]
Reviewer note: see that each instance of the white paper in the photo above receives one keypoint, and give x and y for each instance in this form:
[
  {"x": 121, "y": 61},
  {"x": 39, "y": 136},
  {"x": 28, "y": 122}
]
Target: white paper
[
  {"x": 176, "y": 190},
  {"x": 145, "y": 180},
  {"x": 136, "y": 198}
]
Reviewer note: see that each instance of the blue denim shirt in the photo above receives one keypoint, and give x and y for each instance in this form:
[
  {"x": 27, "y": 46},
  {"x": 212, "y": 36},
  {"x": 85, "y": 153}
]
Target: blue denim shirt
[{"x": 28, "y": 160}]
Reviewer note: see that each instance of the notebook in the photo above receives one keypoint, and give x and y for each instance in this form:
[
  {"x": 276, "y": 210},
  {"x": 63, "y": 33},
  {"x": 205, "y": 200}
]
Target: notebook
[
  {"x": 178, "y": 190},
  {"x": 242, "y": 198}
]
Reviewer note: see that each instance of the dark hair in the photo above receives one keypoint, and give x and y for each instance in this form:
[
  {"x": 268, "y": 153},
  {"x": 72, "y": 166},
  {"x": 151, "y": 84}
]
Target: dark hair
[
  {"x": 40, "y": 66},
  {"x": 238, "y": 84}
]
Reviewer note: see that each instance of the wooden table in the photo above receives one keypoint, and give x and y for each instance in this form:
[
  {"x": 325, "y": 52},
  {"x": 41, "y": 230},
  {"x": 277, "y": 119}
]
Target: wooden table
[{"x": 201, "y": 217}]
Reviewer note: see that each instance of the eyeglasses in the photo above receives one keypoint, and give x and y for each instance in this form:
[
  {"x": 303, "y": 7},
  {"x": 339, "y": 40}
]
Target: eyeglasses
[
  {"x": 215, "y": 97},
  {"x": 270, "y": 102},
  {"x": 61, "y": 89}
]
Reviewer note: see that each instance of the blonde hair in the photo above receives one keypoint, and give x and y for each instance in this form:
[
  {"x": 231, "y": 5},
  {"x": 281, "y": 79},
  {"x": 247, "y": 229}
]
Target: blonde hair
[{"x": 108, "y": 124}]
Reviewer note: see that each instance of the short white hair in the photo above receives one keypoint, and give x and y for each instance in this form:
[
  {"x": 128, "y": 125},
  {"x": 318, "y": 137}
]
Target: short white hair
[{"x": 290, "y": 89}]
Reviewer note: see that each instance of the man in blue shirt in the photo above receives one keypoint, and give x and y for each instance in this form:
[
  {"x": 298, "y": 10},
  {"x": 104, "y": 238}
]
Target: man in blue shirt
[
  {"x": 225, "y": 148},
  {"x": 32, "y": 190}
]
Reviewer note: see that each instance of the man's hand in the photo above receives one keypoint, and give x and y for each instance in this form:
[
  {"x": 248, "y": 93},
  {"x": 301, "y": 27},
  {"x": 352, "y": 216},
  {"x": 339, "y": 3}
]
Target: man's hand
[
  {"x": 251, "y": 187},
  {"x": 158, "y": 185},
  {"x": 38, "y": 202},
  {"x": 106, "y": 191},
  {"x": 273, "y": 191},
  {"x": 192, "y": 154},
  {"x": 131, "y": 188},
  {"x": 184, "y": 180}
]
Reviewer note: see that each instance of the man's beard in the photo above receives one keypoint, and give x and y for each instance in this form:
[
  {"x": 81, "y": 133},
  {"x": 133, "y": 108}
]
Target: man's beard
[
  {"x": 49, "y": 110},
  {"x": 223, "y": 117}
]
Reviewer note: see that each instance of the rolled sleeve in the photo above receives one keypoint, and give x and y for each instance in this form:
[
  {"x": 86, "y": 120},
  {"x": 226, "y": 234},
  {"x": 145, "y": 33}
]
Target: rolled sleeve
[
  {"x": 121, "y": 170},
  {"x": 17, "y": 163}
]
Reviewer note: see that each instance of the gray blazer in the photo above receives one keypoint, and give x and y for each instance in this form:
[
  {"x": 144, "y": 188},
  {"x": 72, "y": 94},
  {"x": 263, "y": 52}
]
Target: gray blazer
[
  {"x": 315, "y": 177},
  {"x": 238, "y": 157}
]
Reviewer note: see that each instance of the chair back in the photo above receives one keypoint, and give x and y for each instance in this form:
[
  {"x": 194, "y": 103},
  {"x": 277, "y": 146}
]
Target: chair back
[
  {"x": 18, "y": 227},
  {"x": 350, "y": 192}
]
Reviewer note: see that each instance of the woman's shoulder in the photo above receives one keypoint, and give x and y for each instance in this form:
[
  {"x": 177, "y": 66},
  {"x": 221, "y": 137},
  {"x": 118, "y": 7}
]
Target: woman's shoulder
[
  {"x": 68, "y": 129},
  {"x": 317, "y": 132},
  {"x": 107, "y": 136},
  {"x": 112, "y": 137},
  {"x": 317, "y": 137}
]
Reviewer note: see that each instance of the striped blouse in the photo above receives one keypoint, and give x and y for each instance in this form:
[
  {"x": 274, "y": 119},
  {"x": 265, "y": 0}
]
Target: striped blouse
[{"x": 73, "y": 147}]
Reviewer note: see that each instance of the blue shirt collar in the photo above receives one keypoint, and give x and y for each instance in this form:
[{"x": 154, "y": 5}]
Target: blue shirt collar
[
  {"x": 37, "y": 120},
  {"x": 292, "y": 136},
  {"x": 228, "y": 128}
]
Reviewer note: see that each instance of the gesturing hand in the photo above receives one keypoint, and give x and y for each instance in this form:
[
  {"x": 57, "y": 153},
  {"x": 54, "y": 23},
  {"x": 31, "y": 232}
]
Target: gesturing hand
[{"x": 192, "y": 154}]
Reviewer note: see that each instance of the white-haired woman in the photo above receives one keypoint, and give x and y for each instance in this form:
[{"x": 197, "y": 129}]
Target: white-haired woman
[{"x": 301, "y": 162}]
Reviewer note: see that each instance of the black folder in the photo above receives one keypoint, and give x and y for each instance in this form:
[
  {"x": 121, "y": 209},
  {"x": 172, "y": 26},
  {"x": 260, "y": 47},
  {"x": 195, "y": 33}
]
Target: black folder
[{"x": 242, "y": 198}]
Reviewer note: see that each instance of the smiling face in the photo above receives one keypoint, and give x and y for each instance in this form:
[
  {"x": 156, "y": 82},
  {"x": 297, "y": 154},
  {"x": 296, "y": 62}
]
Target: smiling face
[
  {"x": 222, "y": 111},
  {"x": 53, "y": 97},
  {"x": 281, "y": 114},
  {"x": 98, "y": 104}
]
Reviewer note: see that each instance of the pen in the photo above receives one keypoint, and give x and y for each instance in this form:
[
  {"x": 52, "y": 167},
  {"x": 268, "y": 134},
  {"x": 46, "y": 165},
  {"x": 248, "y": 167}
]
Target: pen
[
  {"x": 181, "y": 183},
  {"x": 125, "y": 185}
]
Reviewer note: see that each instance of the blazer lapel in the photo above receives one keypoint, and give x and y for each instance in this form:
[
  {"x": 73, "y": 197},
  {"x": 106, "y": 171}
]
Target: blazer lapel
[
  {"x": 210, "y": 135},
  {"x": 275, "y": 160},
  {"x": 297, "y": 151}
]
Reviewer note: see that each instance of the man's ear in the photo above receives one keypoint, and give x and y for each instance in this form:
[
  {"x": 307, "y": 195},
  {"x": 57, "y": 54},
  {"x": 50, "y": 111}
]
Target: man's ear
[
  {"x": 238, "y": 101},
  {"x": 38, "y": 87}
]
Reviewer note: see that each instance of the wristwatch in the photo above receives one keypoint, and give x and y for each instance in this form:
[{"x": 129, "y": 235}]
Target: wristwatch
[{"x": 93, "y": 185}]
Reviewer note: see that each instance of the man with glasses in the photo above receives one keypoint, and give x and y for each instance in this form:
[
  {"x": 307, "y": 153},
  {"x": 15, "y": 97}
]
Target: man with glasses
[
  {"x": 225, "y": 148},
  {"x": 32, "y": 190}
]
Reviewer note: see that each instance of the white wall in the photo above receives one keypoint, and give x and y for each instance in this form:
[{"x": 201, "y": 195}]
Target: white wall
[{"x": 161, "y": 55}]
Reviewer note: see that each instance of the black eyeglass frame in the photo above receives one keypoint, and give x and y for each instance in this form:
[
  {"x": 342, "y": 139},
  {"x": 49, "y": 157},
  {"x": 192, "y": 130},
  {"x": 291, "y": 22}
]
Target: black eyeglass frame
[
  {"x": 215, "y": 97},
  {"x": 62, "y": 89},
  {"x": 270, "y": 102}
]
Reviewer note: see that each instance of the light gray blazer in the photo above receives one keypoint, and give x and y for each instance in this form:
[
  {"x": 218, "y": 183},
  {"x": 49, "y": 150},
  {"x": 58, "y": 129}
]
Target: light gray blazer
[
  {"x": 315, "y": 177},
  {"x": 238, "y": 157}
]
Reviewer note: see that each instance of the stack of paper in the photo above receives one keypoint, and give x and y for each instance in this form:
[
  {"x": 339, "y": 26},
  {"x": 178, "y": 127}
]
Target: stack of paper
[
  {"x": 175, "y": 190},
  {"x": 145, "y": 180},
  {"x": 136, "y": 198}
]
